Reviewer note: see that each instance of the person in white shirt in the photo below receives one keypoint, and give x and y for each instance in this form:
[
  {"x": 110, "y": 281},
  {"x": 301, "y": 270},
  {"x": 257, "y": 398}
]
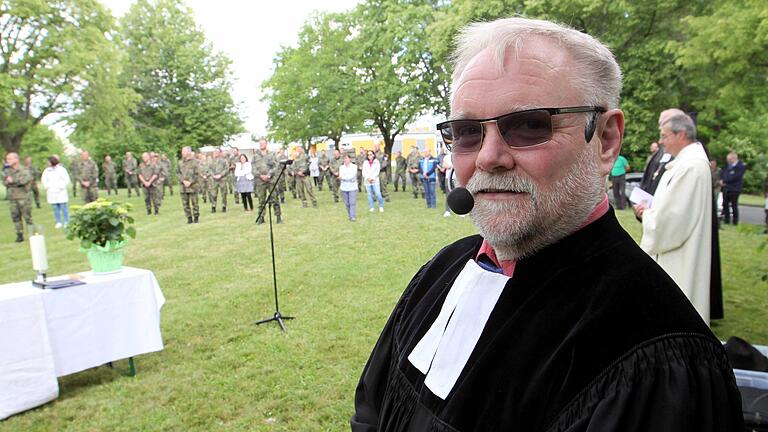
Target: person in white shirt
[
  {"x": 244, "y": 182},
  {"x": 55, "y": 181},
  {"x": 348, "y": 187},
  {"x": 371, "y": 169}
]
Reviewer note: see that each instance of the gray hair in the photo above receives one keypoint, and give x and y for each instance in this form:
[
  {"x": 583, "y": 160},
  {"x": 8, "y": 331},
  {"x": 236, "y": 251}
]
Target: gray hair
[
  {"x": 681, "y": 123},
  {"x": 595, "y": 72}
]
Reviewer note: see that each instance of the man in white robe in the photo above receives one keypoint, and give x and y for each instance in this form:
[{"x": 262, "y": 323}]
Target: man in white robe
[{"x": 677, "y": 226}]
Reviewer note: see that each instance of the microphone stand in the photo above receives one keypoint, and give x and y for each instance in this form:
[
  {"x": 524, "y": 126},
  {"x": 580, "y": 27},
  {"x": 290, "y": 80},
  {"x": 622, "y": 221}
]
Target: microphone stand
[{"x": 277, "y": 315}]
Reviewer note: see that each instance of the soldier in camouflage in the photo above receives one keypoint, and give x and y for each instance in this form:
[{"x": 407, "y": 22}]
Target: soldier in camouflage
[
  {"x": 301, "y": 176},
  {"x": 188, "y": 172},
  {"x": 400, "y": 166},
  {"x": 73, "y": 172},
  {"x": 323, "y": 163},
  {"x": 334, "y": 180},
  {"x": 168, "y": 168},
  {"x": 359, "y": 162},
  {"x": 148, "y": 175},
  {"x": 130, "y": 165},
  {"x": 202, "y": 176},
  {"x": 161, "y": 176},
  {"x": 17, "y": 183},
  {"x": 110, "y": 174},
  {"x": 384, "y": 170},
  {"x": 219, "y": 170},
  {"x": 88, "y": 177},
  {"x": 412, "y": 164},
  {"x": 233, "y": 159},
  {"x": 266, "y": 169},
  {"x": 35, "y": 174},
  {"x": 281, "y": 182}
]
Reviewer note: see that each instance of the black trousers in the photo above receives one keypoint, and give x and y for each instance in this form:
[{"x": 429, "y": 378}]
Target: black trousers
[
  {"x": 619, "y": 196},
  {"x": 247, "y": 200},
  {"x": 731, "y": 203}
]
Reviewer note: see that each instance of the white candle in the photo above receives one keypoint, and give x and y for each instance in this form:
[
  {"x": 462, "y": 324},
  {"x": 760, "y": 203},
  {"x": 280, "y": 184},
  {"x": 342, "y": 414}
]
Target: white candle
[{"x": 39, "y": 255}]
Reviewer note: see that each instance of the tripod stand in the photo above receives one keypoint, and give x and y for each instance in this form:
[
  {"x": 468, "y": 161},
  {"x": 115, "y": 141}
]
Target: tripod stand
[{"x": 277, "y": 316}]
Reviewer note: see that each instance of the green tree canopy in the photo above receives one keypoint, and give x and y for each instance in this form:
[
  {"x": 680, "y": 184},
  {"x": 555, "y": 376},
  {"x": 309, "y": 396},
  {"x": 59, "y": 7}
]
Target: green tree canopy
[
  {"x": 185, "y": 86},
  {"x": 50, "y": 52}
]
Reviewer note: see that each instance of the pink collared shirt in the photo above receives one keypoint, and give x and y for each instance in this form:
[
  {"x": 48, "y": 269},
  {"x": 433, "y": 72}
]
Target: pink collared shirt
[{"x": 508, "y": 266}]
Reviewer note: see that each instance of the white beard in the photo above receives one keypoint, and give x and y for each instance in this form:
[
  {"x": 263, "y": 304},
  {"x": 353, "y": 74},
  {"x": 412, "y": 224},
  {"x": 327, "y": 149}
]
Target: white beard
[{"x": 516, "y": 229}]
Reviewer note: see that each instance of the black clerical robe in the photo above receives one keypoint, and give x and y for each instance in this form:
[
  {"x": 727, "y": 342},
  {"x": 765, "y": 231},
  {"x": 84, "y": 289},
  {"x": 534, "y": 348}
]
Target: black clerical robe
[{"x": 589, "y": 334}]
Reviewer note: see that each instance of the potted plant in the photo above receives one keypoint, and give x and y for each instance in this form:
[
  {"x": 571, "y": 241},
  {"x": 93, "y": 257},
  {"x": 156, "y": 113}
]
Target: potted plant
[{"x": 103, "y": 227}]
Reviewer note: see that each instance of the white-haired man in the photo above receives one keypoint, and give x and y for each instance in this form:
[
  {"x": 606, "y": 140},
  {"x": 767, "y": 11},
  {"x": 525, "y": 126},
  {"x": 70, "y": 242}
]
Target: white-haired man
[
  {"x": 677, "y": 228},
  {"x": 552, "y": 319}
]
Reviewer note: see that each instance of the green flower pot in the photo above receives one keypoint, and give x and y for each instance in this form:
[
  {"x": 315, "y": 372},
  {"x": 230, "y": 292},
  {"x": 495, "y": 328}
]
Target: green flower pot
[{"x": 106, "y": 259}]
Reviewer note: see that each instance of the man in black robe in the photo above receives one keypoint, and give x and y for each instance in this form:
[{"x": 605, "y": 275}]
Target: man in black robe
[{"x": 552, "y": 319}]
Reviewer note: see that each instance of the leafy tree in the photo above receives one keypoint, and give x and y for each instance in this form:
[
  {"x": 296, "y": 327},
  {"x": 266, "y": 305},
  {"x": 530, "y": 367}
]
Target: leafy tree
[
  {"x": 725, "y": 53},
  {"x": 397, "y": 76},
  {"x": 312, "y": 92},
  {"x": 39, "y": 143},
  {"x": 50, "y": 52},
  {"x": 185, "y": 86}
]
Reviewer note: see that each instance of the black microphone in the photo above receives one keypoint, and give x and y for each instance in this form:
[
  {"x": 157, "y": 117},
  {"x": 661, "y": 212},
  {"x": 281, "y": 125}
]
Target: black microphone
[
  {"x": 460, "y": 201},
  {"x": 286, "y": 161}
]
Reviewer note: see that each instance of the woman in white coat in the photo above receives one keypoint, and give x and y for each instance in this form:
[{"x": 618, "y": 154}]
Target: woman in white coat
[
  {"x": 55, "y": 182},
  {"x": 371, "y": 170}
]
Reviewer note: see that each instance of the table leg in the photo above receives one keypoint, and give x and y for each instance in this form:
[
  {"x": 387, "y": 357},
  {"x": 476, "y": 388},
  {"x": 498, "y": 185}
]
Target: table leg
[{"x": 131, "y": 367}]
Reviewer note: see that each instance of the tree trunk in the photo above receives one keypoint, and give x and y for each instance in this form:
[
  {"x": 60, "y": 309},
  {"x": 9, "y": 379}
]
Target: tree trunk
[{"x": 11, "y": 143}]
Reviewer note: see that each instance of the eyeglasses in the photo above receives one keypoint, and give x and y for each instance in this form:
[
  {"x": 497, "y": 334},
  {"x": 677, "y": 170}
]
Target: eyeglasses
[{"x": 518, "y": 129}]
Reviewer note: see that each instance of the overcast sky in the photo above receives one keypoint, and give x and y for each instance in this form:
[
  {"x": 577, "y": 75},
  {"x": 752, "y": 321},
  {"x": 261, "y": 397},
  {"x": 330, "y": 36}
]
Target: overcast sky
[{"x": 250, "y": 33}]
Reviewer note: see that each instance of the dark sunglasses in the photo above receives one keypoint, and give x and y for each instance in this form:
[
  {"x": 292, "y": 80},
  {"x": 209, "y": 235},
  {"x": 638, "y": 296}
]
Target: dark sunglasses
[{"x": 518, "y": 129}]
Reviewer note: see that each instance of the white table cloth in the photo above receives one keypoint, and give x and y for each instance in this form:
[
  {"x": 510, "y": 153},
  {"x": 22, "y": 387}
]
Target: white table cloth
[{"x": 45, "y": 334}]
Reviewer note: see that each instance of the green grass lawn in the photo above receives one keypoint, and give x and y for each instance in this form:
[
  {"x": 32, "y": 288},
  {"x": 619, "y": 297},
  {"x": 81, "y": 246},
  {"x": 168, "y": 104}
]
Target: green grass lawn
[
  {"x": 219, "y": 371},
  {"x": 752, "y": 200}
]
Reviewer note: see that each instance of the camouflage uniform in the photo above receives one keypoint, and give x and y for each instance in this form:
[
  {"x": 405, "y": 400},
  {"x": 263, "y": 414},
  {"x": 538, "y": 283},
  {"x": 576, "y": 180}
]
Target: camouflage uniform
[
  {"x": 110, "y": 176},
  {"x": 17, "y": 190},
  {"x": 384, "y": 165},
  {"x": 168, "y": 168},
  {"x": 281, "y": 183},
  {"x": 202, "y": 177},
  {"x": 325, "y": 173},
  {"x": 189, "y": 170},
  {"x": 73, "y": 173},
  {"x": 35, "y": 174},
  {"x": 131, "y": 177},
  {"x": 266, "y": 164},
  {"x": 146, "y": 171},
  {"x": 303, "y": 182},
  {"x": 88, "y": 171},
  {"x": 162, "y": 175},
  {"x": 334, "y": 180},
  {"x": 416, "y": 183},
  {"x": 359, "y": 161},
  {"x": 219, "y": 166},
  {"x": 233, "y": 160},
  {"x": 400, "y": 165}
]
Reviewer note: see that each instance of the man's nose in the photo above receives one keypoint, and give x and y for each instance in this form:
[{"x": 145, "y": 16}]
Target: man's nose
[{"x": 494, "y": 154}]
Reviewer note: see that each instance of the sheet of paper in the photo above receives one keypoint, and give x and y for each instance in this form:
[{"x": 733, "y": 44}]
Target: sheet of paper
[{"x": 638, "y": 195}]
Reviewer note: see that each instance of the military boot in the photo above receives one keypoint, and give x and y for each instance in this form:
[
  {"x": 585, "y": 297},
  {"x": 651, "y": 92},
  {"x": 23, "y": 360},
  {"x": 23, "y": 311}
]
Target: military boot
[
  {"x": 279, "y": 220},
  {"x": 189, "y": 220},
  {"x": 213, "y": 209},
  {"x": 260, "y": 220},
  {"x": 19, "y": 237}
]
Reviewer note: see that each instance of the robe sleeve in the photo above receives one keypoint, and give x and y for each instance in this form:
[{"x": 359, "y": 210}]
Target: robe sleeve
[
  {"x": 371, "y": 389},
  {"x": 670, "y": 222},
  {"x": 675, "y": 399},
  {"x": 682, "y": 385},
  {"x": 373, "y": 382}
]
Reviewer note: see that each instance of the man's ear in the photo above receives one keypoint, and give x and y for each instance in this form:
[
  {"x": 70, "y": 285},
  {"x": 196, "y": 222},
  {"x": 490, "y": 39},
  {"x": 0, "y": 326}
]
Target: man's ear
[{"x": 609, "y": 137}]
